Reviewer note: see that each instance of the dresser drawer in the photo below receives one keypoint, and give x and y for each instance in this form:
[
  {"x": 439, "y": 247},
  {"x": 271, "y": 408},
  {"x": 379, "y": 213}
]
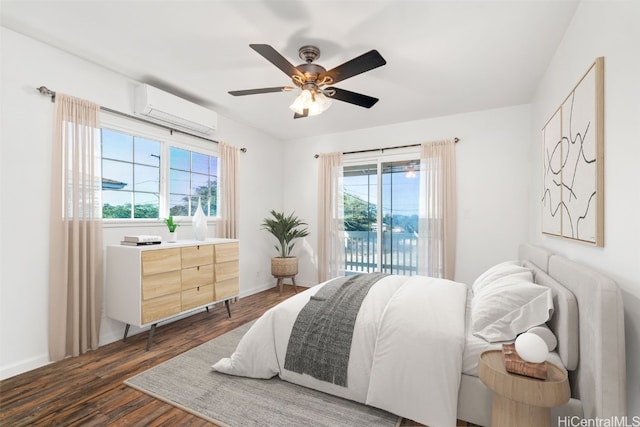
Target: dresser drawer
[
  {"x": 160, "y": 284},
  {"x": 197, "y": 255},
  {"x": 226, "y": 252},
  {"x": 160, "y": 261},
  {"x": 161, "y": 307},
  {"x": 197, "y": 296},
  {"x": 197, "y": 276},
  {"x": 227, "y": 288},
  {"x": 227, "y": 270}
]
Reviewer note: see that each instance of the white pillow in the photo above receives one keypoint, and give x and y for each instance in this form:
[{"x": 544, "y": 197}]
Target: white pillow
[
  {"x": 503, "y": 269},
  {"x": 546, "y": 334},
  {"x": 509, "y": 306}
]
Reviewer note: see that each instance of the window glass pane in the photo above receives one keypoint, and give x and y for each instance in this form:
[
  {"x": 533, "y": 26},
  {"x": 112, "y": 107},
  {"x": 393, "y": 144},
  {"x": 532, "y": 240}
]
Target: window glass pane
[
  {"x": 146, "y": 205},
  {"x": 200, "y": 163},
  {"x": 147, "y": 178},
  {"x": 146, "y": 152},
  {"x": 179, "y": 182},
  {"x": 213, "y": 200},
  {"x": 200, "y": 186},
  {"x": 400, "y": 197},
  {"x": 179, "y": 159},
  {"x": 116, "y": 204},
  {"x": 116, "y": 145},
  {"x": 213, "y": 165},
  {"x": 178, "y": 205},
  {"x": 360, "y": 212},
  {"x": 116, "y": 176}
]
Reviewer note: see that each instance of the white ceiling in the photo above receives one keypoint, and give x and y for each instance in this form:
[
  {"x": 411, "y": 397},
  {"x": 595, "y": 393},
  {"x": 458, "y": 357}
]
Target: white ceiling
[{"x": 443, "y": 57}]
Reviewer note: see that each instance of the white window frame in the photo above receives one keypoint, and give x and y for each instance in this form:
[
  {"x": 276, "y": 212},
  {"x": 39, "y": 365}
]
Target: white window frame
[{"x": 167, "y": 138}]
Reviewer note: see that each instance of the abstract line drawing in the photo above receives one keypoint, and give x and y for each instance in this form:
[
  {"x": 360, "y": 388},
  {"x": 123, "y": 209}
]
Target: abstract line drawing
[{"x": 572, "y": 163}]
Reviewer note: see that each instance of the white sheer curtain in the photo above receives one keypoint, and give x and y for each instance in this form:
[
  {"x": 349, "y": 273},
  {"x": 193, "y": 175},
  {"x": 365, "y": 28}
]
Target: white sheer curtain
[
  {"x": 75, "y": 259},
  {"x": 330, "y": 217},
  {"x": 437, "y": 212},
  {"x": 228, "y": 211}
]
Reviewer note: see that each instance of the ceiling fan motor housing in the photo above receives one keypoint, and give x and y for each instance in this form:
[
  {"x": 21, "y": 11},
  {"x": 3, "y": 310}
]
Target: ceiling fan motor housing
[
  {"x": 309, "y": 53},
  {"x": 310, "y": 73}
]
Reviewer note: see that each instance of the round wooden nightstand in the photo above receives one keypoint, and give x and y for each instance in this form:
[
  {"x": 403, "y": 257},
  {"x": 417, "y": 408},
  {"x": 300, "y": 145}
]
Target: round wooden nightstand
[{"x": 519, "y": 400}]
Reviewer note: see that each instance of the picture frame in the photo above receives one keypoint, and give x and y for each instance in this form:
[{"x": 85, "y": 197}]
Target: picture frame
[{"x": 573, "y": 162}]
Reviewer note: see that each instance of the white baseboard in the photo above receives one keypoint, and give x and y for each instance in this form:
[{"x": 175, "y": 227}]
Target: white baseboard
[
  {"x": 111, "y": 331},
  {"x": 23, "y": 366}
]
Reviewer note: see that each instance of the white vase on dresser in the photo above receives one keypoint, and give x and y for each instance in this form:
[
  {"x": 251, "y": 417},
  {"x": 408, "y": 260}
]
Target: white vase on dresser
[{"x": 199, "y": 223}]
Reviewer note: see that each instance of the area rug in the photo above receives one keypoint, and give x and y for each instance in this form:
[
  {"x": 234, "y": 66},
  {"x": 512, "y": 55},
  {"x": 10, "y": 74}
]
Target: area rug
[{"x": 187, "y": 381}]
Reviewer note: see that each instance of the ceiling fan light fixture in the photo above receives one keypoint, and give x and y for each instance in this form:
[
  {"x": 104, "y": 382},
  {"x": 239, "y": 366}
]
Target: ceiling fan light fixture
[
  {"x": 322, "y": 102},
  {"x": 314, "y": 102},
  {"x": 302, "y": 102}
]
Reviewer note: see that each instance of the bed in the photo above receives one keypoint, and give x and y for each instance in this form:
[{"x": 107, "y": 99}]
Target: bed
[{"x": 410, "y": 345}]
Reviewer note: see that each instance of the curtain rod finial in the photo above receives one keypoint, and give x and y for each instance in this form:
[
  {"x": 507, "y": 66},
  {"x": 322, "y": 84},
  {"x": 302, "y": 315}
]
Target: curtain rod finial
[{"x": 46, "y": 91}]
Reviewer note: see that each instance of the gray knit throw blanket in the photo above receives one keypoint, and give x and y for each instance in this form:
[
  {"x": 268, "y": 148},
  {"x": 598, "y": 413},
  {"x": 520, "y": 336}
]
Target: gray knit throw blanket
[{"x": 320, "y": 341}]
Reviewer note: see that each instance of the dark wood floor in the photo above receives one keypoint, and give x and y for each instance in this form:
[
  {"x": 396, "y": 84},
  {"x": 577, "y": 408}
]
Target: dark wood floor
[{"x": 88, "y": 390}]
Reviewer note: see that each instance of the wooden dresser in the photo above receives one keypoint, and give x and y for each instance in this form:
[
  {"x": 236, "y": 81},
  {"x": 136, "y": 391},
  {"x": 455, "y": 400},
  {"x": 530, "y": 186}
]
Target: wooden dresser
[{"x": 149, "y": 284}]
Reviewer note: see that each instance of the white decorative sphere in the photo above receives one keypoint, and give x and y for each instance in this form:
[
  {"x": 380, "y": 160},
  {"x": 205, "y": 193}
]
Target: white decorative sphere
[{"x": 531, "y": 347}]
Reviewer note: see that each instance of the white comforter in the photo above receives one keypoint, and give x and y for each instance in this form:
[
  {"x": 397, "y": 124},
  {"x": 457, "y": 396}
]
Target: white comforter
[{"x": 406, "y": 353}]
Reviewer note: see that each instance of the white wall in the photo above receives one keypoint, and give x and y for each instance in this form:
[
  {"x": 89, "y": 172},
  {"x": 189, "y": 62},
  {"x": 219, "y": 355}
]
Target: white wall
[
  {"x": 25, "y": 153},
  {"x": 492, "y": 176},
  {"x": 608, "y": 29}
]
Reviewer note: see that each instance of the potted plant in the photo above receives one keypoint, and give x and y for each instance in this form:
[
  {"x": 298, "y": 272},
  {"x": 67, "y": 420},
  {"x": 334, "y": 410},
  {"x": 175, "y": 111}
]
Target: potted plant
[
  {"x": 171, "y": 225},
  {"x": 285, "y": 228}
]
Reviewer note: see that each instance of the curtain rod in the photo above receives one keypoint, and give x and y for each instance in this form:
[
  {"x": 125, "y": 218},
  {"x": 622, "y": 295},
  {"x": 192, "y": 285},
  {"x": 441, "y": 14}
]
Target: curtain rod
[
  {"x": 46, "y": 91},
  {"x": 456, "y": 140}
]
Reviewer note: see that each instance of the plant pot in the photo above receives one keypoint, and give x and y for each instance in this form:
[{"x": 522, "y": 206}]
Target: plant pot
[
  {"x": 173, "y": 237},
  {"x": 284, "y": 266}
]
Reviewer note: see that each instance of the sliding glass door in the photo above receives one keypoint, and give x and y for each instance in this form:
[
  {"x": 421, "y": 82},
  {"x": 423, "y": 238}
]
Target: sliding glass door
[{"x": 381, "y": 204}]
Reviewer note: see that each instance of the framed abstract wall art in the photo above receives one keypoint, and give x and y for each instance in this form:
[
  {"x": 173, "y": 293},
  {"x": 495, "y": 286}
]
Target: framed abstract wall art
[{"x": 573, "y": 162}]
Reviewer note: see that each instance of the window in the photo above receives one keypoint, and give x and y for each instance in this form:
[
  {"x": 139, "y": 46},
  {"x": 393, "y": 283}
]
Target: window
[
  {"x": 149, "y": 174},
  {"x": 130, "y": 176},
  {"x": 192, "y": 177},
  {"x": 381, "y": 205}
]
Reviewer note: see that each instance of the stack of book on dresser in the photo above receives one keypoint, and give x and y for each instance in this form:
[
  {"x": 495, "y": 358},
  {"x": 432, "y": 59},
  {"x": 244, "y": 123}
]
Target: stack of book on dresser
[{"x": 141, "y": 240}]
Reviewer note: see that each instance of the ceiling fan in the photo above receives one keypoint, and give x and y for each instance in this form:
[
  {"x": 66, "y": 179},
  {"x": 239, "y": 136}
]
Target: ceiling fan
[{"x": 314, "y": 81}]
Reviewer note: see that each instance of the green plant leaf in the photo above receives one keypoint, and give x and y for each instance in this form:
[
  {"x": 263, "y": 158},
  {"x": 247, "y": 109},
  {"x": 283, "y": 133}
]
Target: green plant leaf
[{"x": 285, "y": 228}]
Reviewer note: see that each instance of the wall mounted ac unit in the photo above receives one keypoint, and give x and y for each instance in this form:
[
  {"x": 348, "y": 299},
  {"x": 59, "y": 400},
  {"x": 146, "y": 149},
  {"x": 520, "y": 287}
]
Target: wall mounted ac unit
[{"x": 169, "y": 110}]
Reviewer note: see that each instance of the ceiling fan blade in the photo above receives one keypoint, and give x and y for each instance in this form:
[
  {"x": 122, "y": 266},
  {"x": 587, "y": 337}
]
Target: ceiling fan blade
[
  {"x": 305, "y": 113},
  {"x": 351, "y": 97},
  {"x": 262, "y": 90},
  {"x": 365, "y": 62},
  {"x": 272, "y": 55}
]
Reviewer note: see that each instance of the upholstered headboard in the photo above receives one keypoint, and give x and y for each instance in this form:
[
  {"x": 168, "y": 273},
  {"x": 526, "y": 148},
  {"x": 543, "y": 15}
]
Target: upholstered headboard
[{"x": 589, "y": 322}]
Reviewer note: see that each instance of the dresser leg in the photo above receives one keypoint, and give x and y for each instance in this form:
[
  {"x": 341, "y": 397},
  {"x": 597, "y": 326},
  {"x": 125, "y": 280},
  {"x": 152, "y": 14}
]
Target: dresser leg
[
  {"x": 126, "y": 331},
  {"x": 151, "y": 331},
  {"x": 226, "y": 303}
]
